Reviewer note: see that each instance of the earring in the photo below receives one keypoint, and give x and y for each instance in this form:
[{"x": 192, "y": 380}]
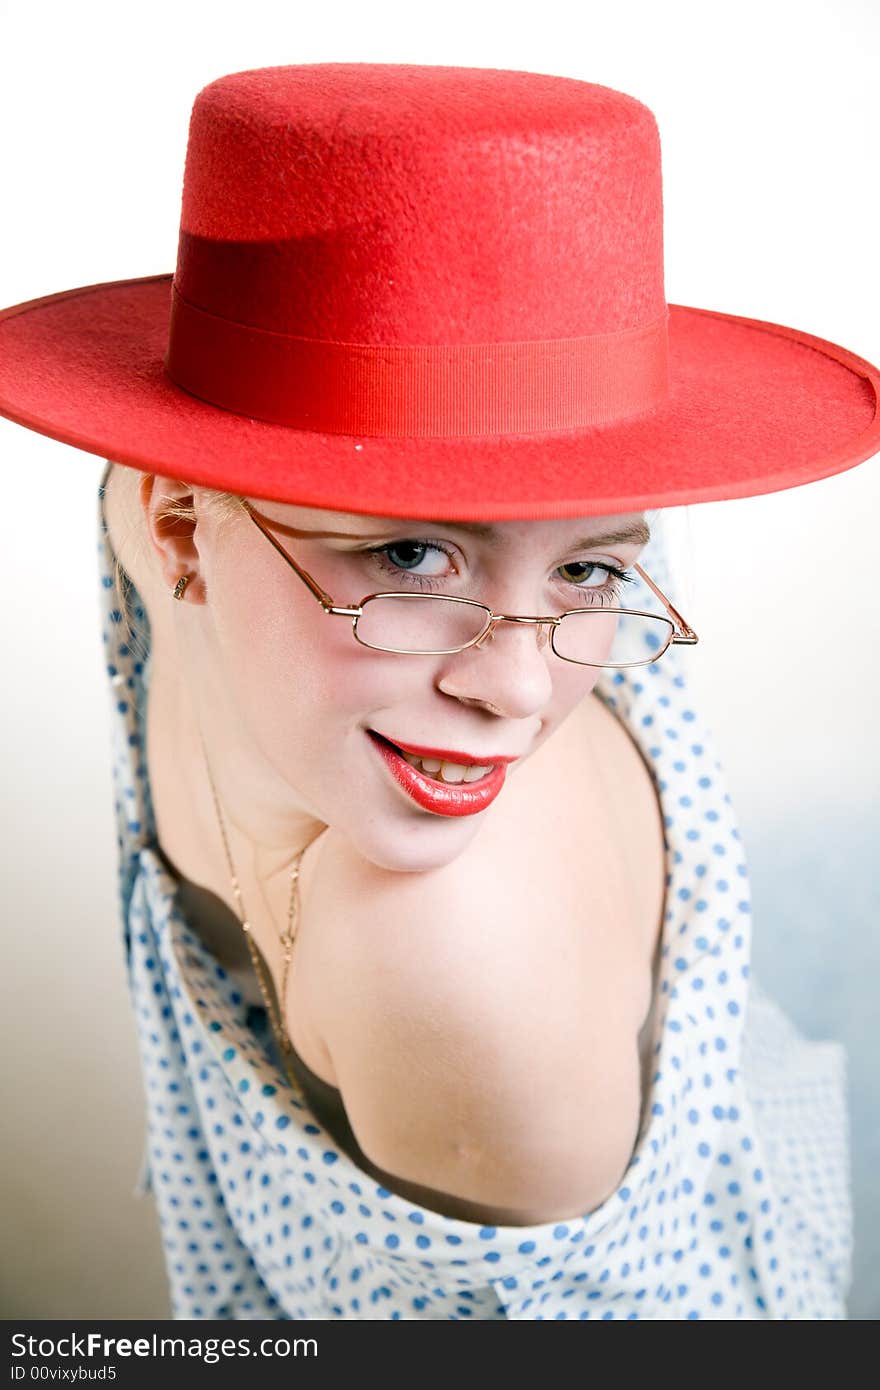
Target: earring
[{"x": 177, "y": 591}]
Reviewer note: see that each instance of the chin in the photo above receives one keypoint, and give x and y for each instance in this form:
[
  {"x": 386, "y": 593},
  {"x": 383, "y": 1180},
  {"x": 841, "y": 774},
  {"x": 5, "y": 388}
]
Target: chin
[{"x": 428, "y": 843}]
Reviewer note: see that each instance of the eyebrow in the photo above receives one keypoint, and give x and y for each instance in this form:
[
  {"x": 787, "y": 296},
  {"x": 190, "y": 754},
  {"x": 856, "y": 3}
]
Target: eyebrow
[{"x": 636, "y": 532}]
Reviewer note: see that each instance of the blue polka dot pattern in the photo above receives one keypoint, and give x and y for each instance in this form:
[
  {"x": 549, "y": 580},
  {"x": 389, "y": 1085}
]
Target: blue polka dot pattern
[{"x": 735, "y": 1203}]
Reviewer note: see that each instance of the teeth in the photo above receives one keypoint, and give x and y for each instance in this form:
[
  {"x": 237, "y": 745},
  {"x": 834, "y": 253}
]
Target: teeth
[
  {"x": 473, "y": 774},
  {"x": 448, "y": 772}
]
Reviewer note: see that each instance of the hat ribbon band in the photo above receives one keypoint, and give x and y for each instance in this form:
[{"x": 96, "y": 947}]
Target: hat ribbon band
[{"x": 435, "y": 390}]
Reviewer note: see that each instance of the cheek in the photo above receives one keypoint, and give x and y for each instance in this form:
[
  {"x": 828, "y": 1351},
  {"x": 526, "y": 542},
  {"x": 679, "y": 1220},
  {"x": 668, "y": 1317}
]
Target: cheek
[
  {"x": 294, "y": 667},
  {"x": 573, "y": 683}
]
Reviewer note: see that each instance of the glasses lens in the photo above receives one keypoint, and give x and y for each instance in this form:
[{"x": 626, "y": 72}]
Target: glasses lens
[
  {"x": 417, "y": 623},
  {"x": 605, "y": 638}
]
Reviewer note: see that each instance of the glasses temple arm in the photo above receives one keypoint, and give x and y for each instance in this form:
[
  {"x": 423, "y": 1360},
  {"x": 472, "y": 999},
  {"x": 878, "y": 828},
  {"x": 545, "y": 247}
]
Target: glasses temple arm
[
  {"x": 320, "y": 594},
  {"x": 686, "y": 633}
]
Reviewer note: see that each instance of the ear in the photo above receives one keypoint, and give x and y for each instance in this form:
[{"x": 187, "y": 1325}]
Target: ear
[{"x": 172, "y": 537}]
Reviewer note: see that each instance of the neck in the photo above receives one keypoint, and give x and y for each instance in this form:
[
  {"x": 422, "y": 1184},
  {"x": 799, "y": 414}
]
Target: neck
[{"x": 264, "y": 841}]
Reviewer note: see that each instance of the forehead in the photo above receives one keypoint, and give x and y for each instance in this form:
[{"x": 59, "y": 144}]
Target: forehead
[{"x": 618, "y": 529}]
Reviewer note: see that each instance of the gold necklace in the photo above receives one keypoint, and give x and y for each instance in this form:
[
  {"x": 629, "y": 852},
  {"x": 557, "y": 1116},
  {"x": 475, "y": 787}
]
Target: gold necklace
[{"x": 275, "y": 1015}]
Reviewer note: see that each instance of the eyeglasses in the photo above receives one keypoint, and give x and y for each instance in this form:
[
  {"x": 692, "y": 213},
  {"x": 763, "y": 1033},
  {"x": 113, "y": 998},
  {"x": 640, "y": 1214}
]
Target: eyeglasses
[{"x": 416, "y": 624}]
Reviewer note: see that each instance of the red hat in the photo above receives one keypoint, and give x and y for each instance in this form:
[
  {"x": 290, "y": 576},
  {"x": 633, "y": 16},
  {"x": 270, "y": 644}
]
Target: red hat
[{"x": 430, "y": 292}]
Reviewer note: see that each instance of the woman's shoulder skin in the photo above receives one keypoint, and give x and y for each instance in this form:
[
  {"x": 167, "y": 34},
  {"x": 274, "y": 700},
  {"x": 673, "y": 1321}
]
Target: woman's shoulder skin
[{"x": 482, "y": 1019}]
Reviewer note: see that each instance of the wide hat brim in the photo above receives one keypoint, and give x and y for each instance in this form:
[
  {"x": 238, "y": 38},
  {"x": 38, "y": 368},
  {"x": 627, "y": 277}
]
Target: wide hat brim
[{"x": 753, "y": 407}]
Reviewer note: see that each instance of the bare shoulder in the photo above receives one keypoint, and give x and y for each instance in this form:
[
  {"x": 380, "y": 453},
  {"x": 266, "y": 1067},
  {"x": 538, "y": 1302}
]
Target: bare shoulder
[
  {"x": 480, "y": 1017},
  {"x": 632, "y": 798},
  {"x": 482, "y": 1052}
]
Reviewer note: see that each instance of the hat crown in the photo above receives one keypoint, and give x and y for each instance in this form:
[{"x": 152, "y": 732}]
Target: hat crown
[
  {"x": 405, "y": 204},
  {"x": 431, "y": 292}
]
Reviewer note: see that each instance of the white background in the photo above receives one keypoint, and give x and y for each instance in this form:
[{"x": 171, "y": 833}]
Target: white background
[{"x": 768, "y": 114}]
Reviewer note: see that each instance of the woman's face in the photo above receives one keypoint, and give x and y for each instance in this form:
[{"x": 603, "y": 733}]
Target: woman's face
[{"x": 299, "y": 695}]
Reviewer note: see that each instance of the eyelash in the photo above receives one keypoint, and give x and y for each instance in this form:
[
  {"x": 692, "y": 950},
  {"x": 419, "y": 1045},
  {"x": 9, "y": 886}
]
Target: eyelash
[{"x": 606, "y": 593}]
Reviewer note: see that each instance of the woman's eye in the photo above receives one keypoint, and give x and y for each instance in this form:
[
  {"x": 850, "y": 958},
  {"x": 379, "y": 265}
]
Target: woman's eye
[
  {"x": 586, "y": 573},
  {"x": 406, "y": 559},
  {"x": 408, "y": 555}
]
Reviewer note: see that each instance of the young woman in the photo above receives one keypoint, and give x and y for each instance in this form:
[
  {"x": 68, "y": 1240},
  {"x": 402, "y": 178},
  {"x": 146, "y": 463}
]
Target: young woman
[{"x": 436, "y": 916}]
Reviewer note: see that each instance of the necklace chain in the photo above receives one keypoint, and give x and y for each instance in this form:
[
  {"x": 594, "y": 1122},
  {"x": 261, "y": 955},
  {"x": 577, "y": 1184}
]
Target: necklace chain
[{"x": 287, "y": 938}]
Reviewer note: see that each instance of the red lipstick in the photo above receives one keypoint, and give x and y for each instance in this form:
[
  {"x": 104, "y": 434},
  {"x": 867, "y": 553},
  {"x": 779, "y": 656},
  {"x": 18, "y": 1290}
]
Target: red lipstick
[
  {"x": 432, "y": 794},
  {"x": 447, "y": 755}
]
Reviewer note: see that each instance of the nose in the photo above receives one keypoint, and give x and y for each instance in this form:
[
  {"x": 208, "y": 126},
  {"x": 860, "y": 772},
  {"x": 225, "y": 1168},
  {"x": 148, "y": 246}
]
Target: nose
[
  {"x": 508, "y": 670},
  {"x": 543, "y": 631}
]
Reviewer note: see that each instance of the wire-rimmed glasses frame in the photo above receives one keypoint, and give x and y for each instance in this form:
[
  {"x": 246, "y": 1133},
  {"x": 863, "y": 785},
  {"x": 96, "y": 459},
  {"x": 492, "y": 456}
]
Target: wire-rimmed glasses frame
[{"x": 680, "y": 631}]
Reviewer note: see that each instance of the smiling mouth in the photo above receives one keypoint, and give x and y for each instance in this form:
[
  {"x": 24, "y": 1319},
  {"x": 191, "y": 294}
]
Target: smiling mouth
[
  {"x": 433, "y": 793},
  {"x": 441, "y": 770}
]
